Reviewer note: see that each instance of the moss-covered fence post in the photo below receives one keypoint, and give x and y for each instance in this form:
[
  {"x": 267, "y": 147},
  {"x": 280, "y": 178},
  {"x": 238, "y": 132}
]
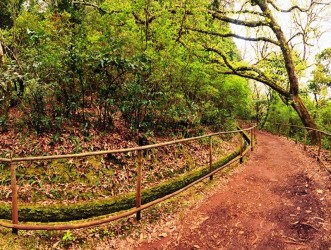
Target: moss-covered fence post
[
  {"x": 14, "y": 195},
  {"x": 278, "y": 128},
  {"x": 139, "y": 177},
  {"x": 242, "y": 144},
  {"x": 296, "y": 135}
]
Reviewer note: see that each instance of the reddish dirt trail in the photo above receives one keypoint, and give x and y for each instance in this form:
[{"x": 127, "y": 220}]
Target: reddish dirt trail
[{"x": 280, "y": 200}]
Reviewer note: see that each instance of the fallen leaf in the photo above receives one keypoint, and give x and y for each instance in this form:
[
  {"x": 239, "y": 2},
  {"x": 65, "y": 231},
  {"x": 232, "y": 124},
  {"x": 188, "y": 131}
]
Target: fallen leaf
[{"x": 163, "y": 235}]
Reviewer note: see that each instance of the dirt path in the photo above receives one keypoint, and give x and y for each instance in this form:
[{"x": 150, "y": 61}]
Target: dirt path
[{"x": 281, "y": 200}]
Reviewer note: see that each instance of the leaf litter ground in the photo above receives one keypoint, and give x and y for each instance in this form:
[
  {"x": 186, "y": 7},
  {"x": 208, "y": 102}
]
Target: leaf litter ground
[{"x": 75, "y": 180}]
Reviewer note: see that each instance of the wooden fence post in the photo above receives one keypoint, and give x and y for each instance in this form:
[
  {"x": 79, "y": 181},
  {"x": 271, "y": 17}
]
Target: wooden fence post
[
  {"x": 210, "y": 156},
  {"x": 255, "y": 128},
  {"x": 252, "y": 140},
  {"x": 241, "y": 151},
  {"x": 296, "y": 136},
  {"x": 319, "y": 145},
  {"x": 139, "y": 178},
  {"x": 14, "y": 196}
]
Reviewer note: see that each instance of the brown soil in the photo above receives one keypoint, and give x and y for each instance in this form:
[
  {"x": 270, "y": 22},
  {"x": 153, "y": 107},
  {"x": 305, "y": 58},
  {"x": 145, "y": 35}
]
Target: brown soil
[{"x": 280, "y": 200}]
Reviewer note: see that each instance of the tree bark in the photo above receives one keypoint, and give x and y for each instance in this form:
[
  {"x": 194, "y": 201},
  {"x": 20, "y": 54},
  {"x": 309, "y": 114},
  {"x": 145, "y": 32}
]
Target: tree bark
[{"x": 305, "y": 117}]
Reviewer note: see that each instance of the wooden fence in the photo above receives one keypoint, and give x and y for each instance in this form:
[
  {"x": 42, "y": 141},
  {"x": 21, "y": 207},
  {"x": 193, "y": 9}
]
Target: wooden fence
[
  {"x": 15, "y": 225},
  {"x": 304, "y": 134},
  {"x": 301, "y": 132}
]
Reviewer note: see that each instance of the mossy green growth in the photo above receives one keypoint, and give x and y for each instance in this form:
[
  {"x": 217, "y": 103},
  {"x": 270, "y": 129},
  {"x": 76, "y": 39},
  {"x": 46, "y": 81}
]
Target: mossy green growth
[
  {"x": 179, "y": 182},
  {"x": 84, "y": 210}
]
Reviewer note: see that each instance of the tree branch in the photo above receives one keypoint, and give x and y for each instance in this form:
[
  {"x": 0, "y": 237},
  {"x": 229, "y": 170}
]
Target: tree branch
[
  {"x": 96, "y": 7},
  {"x": 296, "y": 7},
  {"x": 256, "y": 39},
  {"x": 251, "y": 24},
  {"x": 249, "y": 72},
  {"x": 242, "y": 12},
  {"x": 141, "y": 21},
  {"x": 180, "y": 31},
  {"x": 13, "y": 56},
  {"x": 295, "y": 35},
  {"x": 288, "y": 10}
]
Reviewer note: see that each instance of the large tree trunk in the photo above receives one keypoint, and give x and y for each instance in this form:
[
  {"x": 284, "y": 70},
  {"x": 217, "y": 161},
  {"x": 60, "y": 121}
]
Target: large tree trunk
[
  {"x": 305, "y": 117},
  {"x": 297, "y": 103}
]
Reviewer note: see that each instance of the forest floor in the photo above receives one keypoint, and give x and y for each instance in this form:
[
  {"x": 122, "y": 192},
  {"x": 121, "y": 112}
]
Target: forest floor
[{"x": 280, "y": 199}]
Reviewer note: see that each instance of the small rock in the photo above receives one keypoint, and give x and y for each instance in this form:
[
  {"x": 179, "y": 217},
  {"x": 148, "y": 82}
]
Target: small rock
[
  {"x": 163, "y": 235},
  {"x": 319, "y": 191}
]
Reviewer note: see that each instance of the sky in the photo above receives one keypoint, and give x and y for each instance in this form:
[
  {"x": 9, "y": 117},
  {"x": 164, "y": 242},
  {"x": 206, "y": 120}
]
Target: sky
[{"x": 319, "y": 43}]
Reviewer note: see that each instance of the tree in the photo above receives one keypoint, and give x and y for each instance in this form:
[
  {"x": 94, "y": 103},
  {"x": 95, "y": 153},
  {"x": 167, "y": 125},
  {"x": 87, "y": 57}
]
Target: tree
[
  {"x": 321, "y": 75},
  {"x": 263, "y": 99},
  {"x": 5, "y": 15},
  {"x": 319, "y": 86},
  {"x": 259, "y": 17},
  {"x": 9, "y": 10},
  {"x": 94, "y": 61}
]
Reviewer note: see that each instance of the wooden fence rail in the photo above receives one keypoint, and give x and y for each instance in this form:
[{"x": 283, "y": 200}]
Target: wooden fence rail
[
  {"x": 15, "y": 225},
  {"x": 321, "y": 135}
]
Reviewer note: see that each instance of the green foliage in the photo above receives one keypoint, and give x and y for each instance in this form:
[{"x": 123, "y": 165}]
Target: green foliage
[
  {"x": 125, "y": 58},
  {"x": 68, "y": 238},
  {"x": 3, "y": 123},
  {"x": 319, "y": 87},
  {"x": 321, "y": 81},
  {"x": 38, "y": 117},
  {"x": 138, "y": 60},
  {"x": 8, "y": 11},
  {"x": 5, "y": 17},
  {"x": 280, "y": 114},
  {"x": 322, "y": 73}
]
